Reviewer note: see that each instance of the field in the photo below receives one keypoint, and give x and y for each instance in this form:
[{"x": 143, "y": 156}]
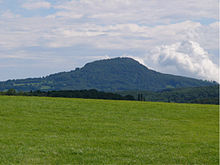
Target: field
[{"x": 37, "y": 130}]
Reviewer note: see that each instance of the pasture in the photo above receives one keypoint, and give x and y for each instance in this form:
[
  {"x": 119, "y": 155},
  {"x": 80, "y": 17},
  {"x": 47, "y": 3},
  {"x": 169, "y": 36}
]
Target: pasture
[{"x": 40, "y": 130}]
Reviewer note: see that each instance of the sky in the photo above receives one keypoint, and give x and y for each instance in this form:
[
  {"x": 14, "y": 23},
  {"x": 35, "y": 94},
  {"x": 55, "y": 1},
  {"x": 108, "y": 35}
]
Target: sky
[{"x": 41, "y": 37}]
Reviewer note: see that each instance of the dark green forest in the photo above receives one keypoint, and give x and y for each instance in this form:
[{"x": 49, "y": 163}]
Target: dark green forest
[
  {"x": 118, "y": 74},
  {"x": 201, "y": 95},
  {"x": 87, "y": 94}
]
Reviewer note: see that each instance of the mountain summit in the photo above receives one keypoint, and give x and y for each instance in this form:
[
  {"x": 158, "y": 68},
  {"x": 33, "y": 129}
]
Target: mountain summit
[{"x": 117, "y": 74}]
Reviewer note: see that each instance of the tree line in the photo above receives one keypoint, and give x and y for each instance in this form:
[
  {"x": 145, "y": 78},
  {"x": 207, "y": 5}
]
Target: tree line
[
  {"x": 89, "y": 94},
  {"x": 200, "y": 95}
]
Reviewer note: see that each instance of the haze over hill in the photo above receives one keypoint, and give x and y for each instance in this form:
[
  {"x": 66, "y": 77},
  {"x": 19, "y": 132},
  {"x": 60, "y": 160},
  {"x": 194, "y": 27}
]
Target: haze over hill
[{"x": 118, "y": 74}]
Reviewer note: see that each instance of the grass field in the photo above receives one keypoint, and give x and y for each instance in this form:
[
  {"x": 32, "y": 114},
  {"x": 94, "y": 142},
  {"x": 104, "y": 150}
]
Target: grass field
[{"x": 36, "y": 130}]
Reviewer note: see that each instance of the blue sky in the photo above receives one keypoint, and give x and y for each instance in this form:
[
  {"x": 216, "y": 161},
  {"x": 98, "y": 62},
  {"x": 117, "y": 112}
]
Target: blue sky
[{"x": 40, "y": 37}]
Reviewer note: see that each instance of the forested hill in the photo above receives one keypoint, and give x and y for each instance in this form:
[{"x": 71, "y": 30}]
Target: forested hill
[{"x": 118, "y": 74}]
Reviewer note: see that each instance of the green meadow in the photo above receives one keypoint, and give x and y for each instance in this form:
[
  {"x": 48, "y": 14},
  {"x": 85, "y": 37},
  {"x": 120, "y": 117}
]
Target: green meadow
[{"x": 39, "y": 130}]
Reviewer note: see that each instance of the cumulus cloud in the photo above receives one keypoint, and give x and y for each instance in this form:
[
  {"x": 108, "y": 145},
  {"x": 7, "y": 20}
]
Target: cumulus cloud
[
  {"x": 186, "y": 58},
  {"x": 36, "y": 5}
]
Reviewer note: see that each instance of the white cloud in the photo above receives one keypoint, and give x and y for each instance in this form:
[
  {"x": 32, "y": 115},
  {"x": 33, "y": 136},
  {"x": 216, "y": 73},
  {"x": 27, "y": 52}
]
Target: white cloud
[
  {"x": 184, "y": 58},
  {"x": 140, "y": 60},
  {"x": 71, "y": 15},
  {"x": 8, "y": 15},
  {"x": 58, "y": 33},
  {"x": 142, "y": 11},
  {"x": 133, "y": 36},
  {"x": 36, "y": 5}
]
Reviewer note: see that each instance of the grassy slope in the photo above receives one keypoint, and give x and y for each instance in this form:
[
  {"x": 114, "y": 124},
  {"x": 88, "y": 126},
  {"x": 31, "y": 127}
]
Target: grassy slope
[{"x": 36, "y": 130}]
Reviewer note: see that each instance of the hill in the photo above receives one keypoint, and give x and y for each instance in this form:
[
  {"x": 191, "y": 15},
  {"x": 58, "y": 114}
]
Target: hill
[
  {"x": 36, "y": 130},
  {"x": 116, "y": 74}
]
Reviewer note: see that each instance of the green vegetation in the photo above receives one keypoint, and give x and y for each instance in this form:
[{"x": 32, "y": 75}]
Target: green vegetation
[
  {"x": 118, "y": 74},
  {"x": 87, "y": 94},
  {"x": 38, "y": 130},
  {"x": 201, "y": 95}
]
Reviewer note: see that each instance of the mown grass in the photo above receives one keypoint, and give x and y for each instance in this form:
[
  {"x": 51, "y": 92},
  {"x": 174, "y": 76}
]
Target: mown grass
[{"x": 37, "y": 130}]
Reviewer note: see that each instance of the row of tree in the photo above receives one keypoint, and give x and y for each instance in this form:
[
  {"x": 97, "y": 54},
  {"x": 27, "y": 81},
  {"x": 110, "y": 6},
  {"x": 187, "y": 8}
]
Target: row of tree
[{"x": 90, "y": 94}]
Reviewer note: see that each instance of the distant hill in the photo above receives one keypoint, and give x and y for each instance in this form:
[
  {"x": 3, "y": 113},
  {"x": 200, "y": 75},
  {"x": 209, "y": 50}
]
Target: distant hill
[
  {"x": 201, "y": 95},
  {"x": 117, "y": 74}
]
